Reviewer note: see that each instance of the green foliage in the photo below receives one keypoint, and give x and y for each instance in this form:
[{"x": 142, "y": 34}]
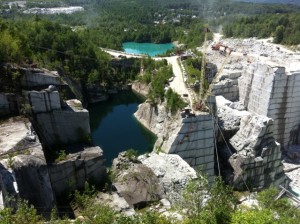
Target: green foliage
[
  {"x": 83, "y": 199},
  {"x": 285, "y": 211},
  {"x": 205, "y": 204},
  {"x": 9, "y": 47},
  {"x": 151, "y": 218},
  {"x": 25, "y": 214},
  {"x": 60, "y": 156},
  {"x": 10, "y": 160},
  {"x": 283, "y": 27},
  {"x": 194, "y": 195},
  {"x": 159, "y": 80},
  {"x": 131, "y": 154},
  {"x": 174, "y": 101},
  {"x": 254, "y": 216},
  {"x": 193, "y": 69},
  {"x": 222, "y": 203},
  {"x": 99, "y": 214}
]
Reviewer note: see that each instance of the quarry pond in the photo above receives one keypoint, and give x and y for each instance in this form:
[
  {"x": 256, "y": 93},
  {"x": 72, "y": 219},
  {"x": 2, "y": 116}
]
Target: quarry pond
[
  {"x": 115, "y": 129},
  {"x": 146, "y": 48}
]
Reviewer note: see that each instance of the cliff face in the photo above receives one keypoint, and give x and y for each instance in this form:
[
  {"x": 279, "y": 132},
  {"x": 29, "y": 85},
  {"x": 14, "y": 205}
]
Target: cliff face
[
  {"x": 258, "y": 156},
  {"x": 23, "y": 172},
  {"x": 159, "y": 121},
  {"x": 191, "y": 137},
  {"x": 57, "y": 122},
  {"x": 274, "y": 92},
  {"x": 73, "y": 172},
  {"x": 140, "y": 88}
]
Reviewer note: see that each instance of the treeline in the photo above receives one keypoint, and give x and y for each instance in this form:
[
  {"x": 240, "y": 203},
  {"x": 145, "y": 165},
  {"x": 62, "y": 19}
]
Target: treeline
[
  {"x": 53, "y": 46},
  {"x": 110, "y": 23},
  {"x": 285, "y": 28}
]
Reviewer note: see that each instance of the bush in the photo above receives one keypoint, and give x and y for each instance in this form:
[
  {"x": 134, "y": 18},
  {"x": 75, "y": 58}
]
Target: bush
[{"x": 174, "y": 101}]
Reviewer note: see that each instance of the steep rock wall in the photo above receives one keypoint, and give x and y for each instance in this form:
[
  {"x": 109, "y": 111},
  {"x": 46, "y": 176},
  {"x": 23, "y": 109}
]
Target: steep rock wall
[
  {"x": 23, "y": 173},
  {"x": 9, "y": 104},
  {"x": 257, "y": 160},
  {"x": 57, "y": 123},
  {"x": 275, "y": 93},
  {"x": 227, "y": 86},
  {"x": 72, "y": 173},
  {"x": 38, "y": 77},
  {"x": 190, "y": 137}
]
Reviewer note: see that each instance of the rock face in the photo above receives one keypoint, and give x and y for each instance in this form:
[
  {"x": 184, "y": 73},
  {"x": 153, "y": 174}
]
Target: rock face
[
  {"x": 140, "y": 88},
  {"x": 191, "y": 137},
  {"x": 24, "y": 173},
  {"x": 172, "y": 172},
  {"x": 9, "y": 104},
  {"x": 274, "y": 92},
  {"x": 72, "y": 173},
  {"x": 135, "y": 182},
  {"x": 258, "y": 157},
  {"x": 57, "y": 123},
  {"x": 227, "y": 86},
  {"x": 44, "y": 101},
  {"x": 228, "y": 117},
  {"x": 116, "y": 202},
  {"x": 195, "y": 143},
  {"x": 39, "y": 77}
]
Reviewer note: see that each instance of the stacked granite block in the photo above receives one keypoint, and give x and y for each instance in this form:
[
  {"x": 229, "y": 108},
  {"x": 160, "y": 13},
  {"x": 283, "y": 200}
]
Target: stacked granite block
[
  {"x": 275, "y": 93},
  {"x": 227, "y": 86},
  {"x": 257, "y": 160},
  {"x": 195, "y": 143}
]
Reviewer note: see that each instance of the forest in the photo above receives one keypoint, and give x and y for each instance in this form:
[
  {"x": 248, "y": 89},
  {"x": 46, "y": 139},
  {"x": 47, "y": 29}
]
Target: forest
[
  {"x": 110, "y": 23},
  {"x": 285, "y": 28}
]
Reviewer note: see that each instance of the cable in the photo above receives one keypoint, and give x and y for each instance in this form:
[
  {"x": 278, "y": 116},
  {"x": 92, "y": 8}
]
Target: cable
[
  {"x": 231, "y": 153},
  {"x": 64, "y": 53}
]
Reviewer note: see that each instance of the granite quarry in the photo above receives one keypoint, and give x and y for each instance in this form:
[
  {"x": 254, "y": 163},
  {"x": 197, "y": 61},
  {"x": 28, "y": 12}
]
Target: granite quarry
[{"x": 250, "y": 132}]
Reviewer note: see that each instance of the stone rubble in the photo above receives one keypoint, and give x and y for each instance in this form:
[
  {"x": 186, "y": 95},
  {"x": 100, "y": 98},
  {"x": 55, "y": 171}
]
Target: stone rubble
[{"x": 116, "y": 202}]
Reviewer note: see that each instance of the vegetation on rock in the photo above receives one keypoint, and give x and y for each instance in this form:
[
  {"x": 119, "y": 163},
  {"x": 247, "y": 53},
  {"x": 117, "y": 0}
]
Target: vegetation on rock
[{"x": 200, "y": 203}]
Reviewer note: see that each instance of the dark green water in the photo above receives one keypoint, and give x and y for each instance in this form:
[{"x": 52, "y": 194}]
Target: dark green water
[
  {"x": 115, "y": 129},
  {"x": 146, "y": 48}
]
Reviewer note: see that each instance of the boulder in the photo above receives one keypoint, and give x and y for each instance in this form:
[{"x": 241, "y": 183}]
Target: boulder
[
  {"x": 172, "y": 172},
  {"x": 116, "y": 202},
  {"x": 136, "y": 182}
]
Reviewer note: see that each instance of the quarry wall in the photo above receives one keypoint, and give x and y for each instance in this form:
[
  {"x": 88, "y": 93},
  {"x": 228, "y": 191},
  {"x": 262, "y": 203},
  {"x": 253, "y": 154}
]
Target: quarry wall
[
  {"x": 275, "y": 93},
  {"x": 191, "y": 137}
]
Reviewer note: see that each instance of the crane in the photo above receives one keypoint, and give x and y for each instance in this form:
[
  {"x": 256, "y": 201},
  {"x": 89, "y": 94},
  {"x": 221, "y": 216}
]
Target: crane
[
  {"x": 203, "y": 64},
  {"x": 200, "y": 104}
]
